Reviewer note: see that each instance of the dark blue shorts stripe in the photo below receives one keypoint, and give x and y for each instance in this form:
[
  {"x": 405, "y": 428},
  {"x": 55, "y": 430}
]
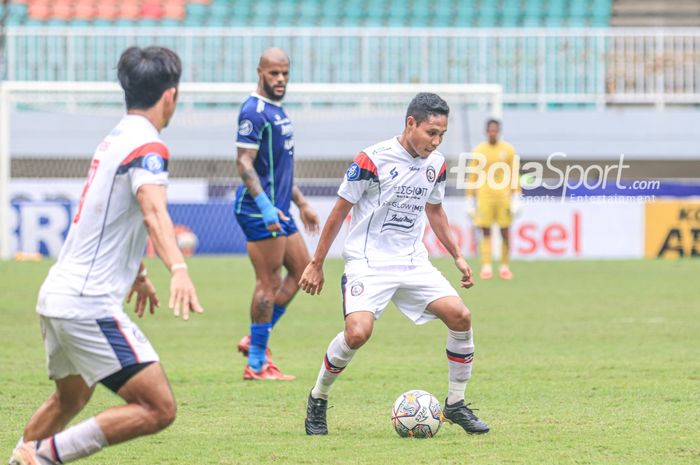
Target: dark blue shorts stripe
[
  {"x": 343, "y": 283},
  {"x": 121, "y": 346}
]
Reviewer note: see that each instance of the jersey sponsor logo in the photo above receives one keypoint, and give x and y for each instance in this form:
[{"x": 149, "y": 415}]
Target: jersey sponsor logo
[
  {"x": 357, "y": 288},
  {"x": 353, "y": 172},
  {"x": 287, "y": 130},
  {"x": 245, "y": 127},
  {"x": 430, "y": 174},
  {"x": 393, "y": 172},
  {"x": 411, "y": 190},
  {"x": 399, "y": 221},
  {"x": 153, "y": 162},
  {"x": 404, "y": 205}
]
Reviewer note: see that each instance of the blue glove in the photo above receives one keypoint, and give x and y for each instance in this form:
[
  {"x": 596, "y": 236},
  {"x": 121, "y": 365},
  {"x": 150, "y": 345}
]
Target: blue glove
[{"x": 269, "y": 212}]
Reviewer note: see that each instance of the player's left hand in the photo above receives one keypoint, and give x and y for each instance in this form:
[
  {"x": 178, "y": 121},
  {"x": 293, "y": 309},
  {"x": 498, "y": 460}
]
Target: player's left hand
[
  {"x": 310, "y": 219},
  {"x": 145, "y": 293},
  {"x": 467, "y": 280},
  {"x": 312, "y": 279}
]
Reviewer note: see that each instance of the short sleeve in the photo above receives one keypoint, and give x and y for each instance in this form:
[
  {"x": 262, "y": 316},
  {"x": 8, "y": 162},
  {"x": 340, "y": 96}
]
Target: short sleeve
[
  {"x": 359, "y": 176},
  {"x": 438, "y": 192},
  {"x": 250, "y": 125},
  {"x": 147, "y": 164}
]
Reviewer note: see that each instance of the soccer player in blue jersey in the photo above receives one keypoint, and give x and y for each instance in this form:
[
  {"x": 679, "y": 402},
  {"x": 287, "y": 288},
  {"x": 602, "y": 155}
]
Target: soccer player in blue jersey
[{"x": 266, "y": 165}]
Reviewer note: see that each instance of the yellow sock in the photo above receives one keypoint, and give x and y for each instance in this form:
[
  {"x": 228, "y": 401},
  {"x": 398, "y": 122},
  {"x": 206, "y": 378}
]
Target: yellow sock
[
  {"x": 505, "y": 254},
  {"x": 485, "y": 247}
]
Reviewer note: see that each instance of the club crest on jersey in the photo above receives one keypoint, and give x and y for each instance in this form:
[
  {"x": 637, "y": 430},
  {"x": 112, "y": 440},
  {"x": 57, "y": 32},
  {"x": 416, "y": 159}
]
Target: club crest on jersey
[
  {"x": 153, "y": 162},
  {"x": 245, "y": 127},
  {"x": 430, "y": 174},
  {"x": 353, "y": 172},
  {"x": 357, "y": 288}
]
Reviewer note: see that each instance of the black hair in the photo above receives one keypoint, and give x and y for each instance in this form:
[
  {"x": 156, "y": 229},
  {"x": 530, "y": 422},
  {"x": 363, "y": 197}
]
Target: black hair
[
  {"x": 426, "y": 104},
  {"x": 491, "y": 121},
  {"x": 145, "y": 73}
]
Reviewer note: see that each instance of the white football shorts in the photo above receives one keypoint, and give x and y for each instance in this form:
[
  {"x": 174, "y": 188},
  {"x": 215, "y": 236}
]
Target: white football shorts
[
  {"x": 411, "y": 288},
  {"x": 93, "y": 349}
]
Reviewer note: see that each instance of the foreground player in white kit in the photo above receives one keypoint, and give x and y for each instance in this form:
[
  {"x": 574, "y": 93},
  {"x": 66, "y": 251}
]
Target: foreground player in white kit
[
  {"x": 391, "y": 188},
  {"x": 87, "y": 336}
]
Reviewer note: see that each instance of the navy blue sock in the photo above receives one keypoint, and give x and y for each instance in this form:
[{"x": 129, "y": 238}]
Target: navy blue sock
[
  {"x": 259, "y": 335},
  {"x": 277, "y": 313}
]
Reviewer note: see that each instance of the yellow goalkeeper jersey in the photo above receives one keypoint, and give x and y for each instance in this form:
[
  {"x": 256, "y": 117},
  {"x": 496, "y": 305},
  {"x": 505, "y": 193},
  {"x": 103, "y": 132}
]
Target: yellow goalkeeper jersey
[{"x": 496, "y": 186}]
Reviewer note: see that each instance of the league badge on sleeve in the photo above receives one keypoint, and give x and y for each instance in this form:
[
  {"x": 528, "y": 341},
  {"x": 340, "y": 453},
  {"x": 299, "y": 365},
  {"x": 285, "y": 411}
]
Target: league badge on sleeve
[
  {"x": 153, "y": 162},
  {"x": 245, "y": 127},
  {"x": 430, "y": 174},
  {"x": 353, "y": 172}
]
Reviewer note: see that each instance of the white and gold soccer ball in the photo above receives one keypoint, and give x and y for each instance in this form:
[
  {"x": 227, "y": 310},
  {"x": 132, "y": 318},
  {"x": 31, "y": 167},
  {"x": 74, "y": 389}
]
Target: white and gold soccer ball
[{"x": 416, "y": 414}]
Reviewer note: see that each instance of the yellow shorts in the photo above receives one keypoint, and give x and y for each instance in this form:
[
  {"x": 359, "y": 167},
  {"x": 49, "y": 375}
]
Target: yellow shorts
[{"x": 490, "y": 211}]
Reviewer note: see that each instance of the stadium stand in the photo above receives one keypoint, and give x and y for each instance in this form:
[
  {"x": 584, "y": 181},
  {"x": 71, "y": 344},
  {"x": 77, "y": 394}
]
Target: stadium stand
[
  {"x": 656, "y": 13},
  {"x": 314, "y": 13}
]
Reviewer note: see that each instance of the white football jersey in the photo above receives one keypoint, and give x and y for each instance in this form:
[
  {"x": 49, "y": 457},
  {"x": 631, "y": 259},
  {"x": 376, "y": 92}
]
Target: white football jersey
[
  {"x": 389, "y": 189},
  {"x": 100, "y": 258}
]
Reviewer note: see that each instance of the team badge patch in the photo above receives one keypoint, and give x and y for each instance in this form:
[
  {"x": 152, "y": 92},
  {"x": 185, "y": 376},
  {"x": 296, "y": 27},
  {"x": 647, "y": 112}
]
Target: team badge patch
[
  {"x": 357, "y": 288},
  {"x": 353, "y": 172},
  {"x": 139, "y": 336},
  {"x": 153, "y": 162},
  {"x": 245, "y": 127},
  {"x": 430, "y": 174}
]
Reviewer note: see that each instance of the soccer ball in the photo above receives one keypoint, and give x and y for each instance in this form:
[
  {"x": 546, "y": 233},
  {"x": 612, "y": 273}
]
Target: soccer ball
[{"x": 416, "y": 414}]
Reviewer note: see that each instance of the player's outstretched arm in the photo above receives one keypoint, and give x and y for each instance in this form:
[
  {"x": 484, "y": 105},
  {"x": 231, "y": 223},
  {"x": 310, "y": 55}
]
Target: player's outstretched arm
[
  {"x": 183, "y": 296},
  {"x": 441, "y": 227},
  {"x": 246, "y": 169},
  {"x": 312, "y": 279},
  {"x": 308, "y": 215}
]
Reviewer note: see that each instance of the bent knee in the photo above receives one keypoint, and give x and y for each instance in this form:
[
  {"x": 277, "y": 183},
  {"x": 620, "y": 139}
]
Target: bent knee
[
  {"x": 162, "y": 414},
  {"x": 462, "y": 320},
  {"x": 356, "y": 336}
]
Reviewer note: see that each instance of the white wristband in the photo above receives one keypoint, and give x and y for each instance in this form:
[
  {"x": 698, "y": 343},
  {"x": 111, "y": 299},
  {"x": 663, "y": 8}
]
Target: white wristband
[{"x": 178, "y": 266}]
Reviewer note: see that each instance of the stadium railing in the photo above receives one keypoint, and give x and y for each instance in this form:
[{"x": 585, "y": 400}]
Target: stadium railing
[{"x": 536, "y": 67}]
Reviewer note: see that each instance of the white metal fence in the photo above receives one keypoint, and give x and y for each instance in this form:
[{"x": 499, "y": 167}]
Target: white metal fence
[{"x": 534, "y": 66}]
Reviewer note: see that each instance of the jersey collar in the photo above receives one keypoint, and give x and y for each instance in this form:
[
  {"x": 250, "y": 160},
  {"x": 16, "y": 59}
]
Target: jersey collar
[
  {"x": 266, "y": 100},
  {"x": 141, "y": 120},
  {"x": 402, "y": 150}
]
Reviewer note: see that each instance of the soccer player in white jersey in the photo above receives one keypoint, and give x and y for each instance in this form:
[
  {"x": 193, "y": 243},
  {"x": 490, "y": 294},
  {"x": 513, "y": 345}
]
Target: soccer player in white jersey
[
  {"x": 391, "y": 188},
  {"x": 88, "y": 337}
]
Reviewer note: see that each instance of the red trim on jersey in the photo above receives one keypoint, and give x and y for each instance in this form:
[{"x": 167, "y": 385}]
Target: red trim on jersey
[
  {"x": 136, "y": 355},
  {"x": 364, "y": 162},
  {"x": 443, "y": 169},
  {"x": 145, "y": 149}
]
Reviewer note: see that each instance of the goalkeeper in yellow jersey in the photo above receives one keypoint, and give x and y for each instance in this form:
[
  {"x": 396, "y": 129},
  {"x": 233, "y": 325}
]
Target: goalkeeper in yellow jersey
[{"x": 496, "y": 199}]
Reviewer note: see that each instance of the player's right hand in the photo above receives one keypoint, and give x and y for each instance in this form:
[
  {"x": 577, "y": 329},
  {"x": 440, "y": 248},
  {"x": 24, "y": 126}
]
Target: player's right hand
[
  {"x": 276, "y": 226},
  {"x": 183, "y": 296},
  {"x": 145, "y": 293},
  {"x": 312, "y": 280},
  {"x": 467, "y": 280}
]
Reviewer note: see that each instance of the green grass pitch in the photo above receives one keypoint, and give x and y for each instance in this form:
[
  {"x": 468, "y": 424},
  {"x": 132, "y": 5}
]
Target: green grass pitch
[{"x": 589, "y": 362}]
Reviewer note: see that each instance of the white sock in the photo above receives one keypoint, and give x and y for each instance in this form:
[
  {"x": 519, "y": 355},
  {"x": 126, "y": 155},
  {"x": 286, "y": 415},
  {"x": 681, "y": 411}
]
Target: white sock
[
  {"x": 76, "y": 442},
  {"x": 460, "y": 354},
  {"x": 336, "y": 359}
]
